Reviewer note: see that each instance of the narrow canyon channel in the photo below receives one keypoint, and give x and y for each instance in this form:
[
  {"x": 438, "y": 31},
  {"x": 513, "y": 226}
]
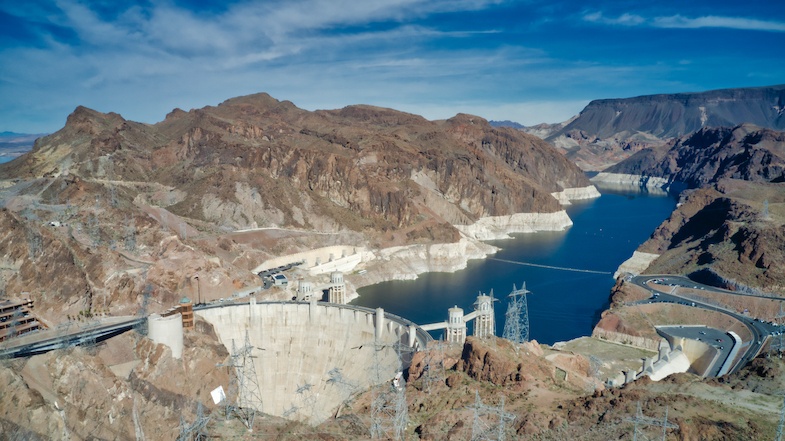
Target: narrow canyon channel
[{"x": 563, "y": 304}]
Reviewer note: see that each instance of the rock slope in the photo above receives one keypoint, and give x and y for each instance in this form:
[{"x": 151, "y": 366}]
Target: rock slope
[
  {"x": 106, "y": 209},
  {"x": 745, "y": 152},
  {"x": 609, "y": 130}
]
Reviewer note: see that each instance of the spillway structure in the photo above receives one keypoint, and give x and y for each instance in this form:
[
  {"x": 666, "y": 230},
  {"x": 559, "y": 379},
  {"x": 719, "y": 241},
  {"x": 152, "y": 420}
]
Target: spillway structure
[{"x": 300, "y": 348}]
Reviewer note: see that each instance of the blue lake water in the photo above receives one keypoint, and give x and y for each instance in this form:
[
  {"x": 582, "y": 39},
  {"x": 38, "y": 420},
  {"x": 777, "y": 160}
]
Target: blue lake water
[
  {"x": 563, "y": 305},
  {"x": 6, "y": 159}
]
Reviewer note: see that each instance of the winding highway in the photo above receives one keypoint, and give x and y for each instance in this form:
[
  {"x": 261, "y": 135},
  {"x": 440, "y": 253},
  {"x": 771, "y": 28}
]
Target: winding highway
[{"x": 663, "y": 290}]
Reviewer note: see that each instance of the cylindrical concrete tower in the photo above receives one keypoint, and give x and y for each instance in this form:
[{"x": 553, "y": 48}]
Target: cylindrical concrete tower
[
  {"x": 304, "y": 291},
  {"x": 456, "y": 327},
  {"x": 337, "y": 291},
  {"x": 336, "y": 277},
  {"x": 168, "y": 331},
  {"x": 484, "y": 325}
]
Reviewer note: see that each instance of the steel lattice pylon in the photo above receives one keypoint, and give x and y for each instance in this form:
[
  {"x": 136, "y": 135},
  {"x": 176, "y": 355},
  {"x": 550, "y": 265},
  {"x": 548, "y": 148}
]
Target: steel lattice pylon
[
  {"x": 639, "y": 420},
  {"x": 244, "y": 397},
  {"x": 433, "y": 369},
  {"x": 490, "y": 423},
  {"x": 516, "y": 320},
  {"x": 389, "y": 412},
  {"x": 197, "y": 431}
]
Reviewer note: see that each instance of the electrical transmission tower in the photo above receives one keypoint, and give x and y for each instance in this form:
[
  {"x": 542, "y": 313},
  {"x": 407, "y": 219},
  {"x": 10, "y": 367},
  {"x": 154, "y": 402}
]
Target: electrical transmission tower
[
  {"x": 111, "y": 181},
  {"x": 594, "y": 366},
  {"x": 245, "y": 397},
  {"x": 516, "y": 320},
  {"x": 130, "y": 236},
  {"x": 490, "y": 422},
  {"x": 389, "y": 412},
  {"x": 639, "y": 420},
  {"x": 141, "y": 328},
  {"x": 197, "y": 431},
  {"x": 433, "y": 365}
]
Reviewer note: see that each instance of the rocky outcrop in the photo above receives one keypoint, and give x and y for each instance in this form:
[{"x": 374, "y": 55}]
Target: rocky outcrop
[
  {"x": 673, "y": 115},
  {"x": 635, "y": 264},
  {"x": 608, "y": 131},
  {"x": 575, "y": 194},
  {"x": 485, "y": 363},
  {"x": 724, "y": 229},
  {"x": 634, "y": 182},
  {"x": 744, "y": 152},
  {"x": 406, "y": 262},
  {"x": 74, "y": 394},
  {"x": 500, "y": 227}
]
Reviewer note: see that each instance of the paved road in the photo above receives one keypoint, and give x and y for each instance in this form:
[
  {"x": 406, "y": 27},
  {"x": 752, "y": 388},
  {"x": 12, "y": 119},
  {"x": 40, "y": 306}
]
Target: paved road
[
  {"x": 663, "y": 287},
  {"x": 62, "y": 337}
]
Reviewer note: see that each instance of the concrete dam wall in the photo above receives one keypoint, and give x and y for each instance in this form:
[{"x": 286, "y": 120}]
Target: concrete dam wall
[{"x": 309, "y": 358}]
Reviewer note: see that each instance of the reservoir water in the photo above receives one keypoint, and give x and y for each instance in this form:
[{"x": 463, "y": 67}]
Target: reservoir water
[{"x": 563, "y": 304}]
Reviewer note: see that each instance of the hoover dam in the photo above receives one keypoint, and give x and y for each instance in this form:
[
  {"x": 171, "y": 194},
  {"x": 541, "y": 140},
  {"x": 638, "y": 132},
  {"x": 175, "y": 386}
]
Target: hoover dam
[{"x": 311, "y": 357}]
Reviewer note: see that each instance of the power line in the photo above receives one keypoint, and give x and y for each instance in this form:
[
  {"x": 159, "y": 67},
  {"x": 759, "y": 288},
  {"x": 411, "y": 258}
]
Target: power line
[{"x": 539, "y": 265}]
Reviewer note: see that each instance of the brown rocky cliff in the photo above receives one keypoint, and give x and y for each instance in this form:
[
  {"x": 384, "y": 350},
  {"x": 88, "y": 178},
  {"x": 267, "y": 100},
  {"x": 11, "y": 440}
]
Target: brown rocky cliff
[
  {"x": 720, "y": 233},
  {"x": 502, "y": 366},
  {"x": 358, "y": 160},
  {"x": 743, "y": 152},
  {"x": 75, "y": 393}
]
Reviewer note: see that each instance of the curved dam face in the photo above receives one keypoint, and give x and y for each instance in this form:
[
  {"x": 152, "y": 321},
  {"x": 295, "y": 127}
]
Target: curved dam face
[{"x": 309, "y": 358}]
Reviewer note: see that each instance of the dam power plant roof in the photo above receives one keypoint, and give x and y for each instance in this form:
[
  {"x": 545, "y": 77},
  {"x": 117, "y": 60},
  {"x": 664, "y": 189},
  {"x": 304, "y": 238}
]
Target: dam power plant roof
[{"x": 309, "y": 358}]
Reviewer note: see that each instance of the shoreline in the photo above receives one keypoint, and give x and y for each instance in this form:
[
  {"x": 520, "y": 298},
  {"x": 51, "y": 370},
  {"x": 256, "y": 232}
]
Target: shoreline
[
  {"x": 651, "y": 184},
  {"x": 408, "y": 262}
]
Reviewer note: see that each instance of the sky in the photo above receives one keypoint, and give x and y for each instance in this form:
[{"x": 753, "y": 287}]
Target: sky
[{"x": 526, "y": 61}]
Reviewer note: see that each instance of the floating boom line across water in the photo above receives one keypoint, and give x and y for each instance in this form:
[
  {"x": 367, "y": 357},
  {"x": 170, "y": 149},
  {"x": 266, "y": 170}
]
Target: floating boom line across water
[{"x": 562, "y": 268}]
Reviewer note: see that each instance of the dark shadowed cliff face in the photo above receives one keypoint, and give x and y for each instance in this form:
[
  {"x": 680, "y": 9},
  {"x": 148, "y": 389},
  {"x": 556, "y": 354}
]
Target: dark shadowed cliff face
[
  {"x": 609, "y": 130},
  {"x": 745, "y": 152}
]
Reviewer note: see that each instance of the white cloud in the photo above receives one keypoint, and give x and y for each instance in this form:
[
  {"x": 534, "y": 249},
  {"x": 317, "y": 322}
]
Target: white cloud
[
  {"x": 623, "y": 20},
  {"x": 678, "y": 21},
  {"x": 710, "y": 21}
]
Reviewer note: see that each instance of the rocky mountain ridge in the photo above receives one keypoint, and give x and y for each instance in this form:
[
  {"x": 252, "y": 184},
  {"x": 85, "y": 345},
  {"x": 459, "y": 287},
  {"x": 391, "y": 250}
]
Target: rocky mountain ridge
[
  {"x": 122, "y": 207},
  {"x": 609, "y": 130}
]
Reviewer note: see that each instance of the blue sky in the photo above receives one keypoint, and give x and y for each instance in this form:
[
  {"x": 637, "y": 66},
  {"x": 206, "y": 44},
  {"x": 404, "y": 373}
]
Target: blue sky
[{"x": 527, "y": 61}]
